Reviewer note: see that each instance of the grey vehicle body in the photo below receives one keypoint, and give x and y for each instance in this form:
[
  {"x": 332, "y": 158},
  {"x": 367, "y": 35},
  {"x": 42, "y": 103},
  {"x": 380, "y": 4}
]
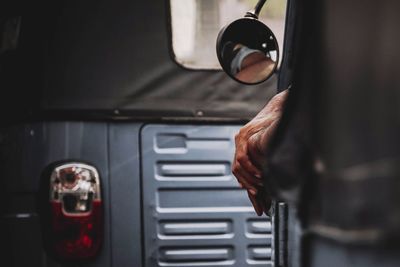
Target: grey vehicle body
[{"x": 93, "y": 81}]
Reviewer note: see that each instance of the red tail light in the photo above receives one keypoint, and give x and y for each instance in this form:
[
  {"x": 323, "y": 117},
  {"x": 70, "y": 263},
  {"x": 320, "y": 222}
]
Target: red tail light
[{"x": 76, "y": 213}]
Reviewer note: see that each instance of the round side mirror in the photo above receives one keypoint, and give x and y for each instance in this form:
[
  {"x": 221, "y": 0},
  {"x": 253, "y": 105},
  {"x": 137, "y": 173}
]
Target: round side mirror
[{"x": 248, "y": 51}]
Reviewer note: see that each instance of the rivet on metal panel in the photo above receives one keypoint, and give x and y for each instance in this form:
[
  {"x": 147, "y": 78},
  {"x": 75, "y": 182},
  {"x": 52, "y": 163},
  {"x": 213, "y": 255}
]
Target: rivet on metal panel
[{"x": 199, "y": 113}]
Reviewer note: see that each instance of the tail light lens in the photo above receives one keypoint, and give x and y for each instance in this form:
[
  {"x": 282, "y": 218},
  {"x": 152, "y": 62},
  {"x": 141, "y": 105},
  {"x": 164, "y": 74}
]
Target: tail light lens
[{"x": 76, "y": 212}]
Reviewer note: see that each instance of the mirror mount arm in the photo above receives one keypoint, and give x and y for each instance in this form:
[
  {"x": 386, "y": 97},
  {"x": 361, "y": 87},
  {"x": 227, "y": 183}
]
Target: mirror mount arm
[{"x": 256, "y": 11}]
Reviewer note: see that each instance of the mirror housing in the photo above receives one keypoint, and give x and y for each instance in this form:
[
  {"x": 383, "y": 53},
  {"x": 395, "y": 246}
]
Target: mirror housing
[{"x": 248, "y": 50}]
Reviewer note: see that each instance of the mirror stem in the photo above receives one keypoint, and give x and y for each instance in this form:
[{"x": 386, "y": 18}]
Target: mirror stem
[{"x": 256, "y": 12}]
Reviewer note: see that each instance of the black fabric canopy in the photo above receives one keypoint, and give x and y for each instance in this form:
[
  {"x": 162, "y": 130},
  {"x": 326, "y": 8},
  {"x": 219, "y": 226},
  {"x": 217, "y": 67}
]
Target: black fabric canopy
[{"x": 108, "y": 55}]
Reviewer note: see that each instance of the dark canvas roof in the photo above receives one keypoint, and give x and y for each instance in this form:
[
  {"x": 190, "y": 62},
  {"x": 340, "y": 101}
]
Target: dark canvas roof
[{"x": 102, "y": 55}]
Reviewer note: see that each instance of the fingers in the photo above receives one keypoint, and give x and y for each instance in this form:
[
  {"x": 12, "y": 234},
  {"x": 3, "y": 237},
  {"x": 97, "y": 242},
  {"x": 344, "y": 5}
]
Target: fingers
[
  {"x": 266, "y": 201},
  {"x": 261, "y": 202},
  {"x": 258, "y": 143},
  {"x": 242, "y": 158},
  {"x": 257, "y": 207},
  {"x": 246, "y": 163},
  {"x": 246, "y": 180},
  {"x": 249, "y": 176},
  {"x": 251, "y": 142},
  {"x": 243, "y": 175}
]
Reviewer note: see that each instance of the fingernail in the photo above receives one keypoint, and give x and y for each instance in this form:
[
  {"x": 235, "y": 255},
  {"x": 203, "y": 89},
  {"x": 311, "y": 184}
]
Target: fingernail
[
  {"x": 257, "y": 175},
  {"x": 253, "y": 192}
]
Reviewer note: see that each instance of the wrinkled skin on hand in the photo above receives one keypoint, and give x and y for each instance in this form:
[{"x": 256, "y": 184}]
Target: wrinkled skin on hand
[{"x": 251, "y": 142}]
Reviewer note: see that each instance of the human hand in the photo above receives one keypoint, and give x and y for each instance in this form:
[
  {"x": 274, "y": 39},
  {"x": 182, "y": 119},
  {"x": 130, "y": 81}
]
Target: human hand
[{"x": 251, "y": 142}]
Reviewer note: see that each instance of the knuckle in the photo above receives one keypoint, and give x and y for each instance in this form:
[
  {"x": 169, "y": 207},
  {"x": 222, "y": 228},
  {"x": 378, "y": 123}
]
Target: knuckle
[
  {"x": 238, "y": 140},
  {"x": 241, "y": 158},
  {"x": 234, "y": 167},
  {"x": 241, "y": 132},
  {"x": 251, "y": 144},
  {"x": 235, "y": 172}
]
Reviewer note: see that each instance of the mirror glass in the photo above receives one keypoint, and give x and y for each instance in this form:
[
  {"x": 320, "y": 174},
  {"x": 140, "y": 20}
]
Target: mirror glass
[{"x": 248, "y": 51}]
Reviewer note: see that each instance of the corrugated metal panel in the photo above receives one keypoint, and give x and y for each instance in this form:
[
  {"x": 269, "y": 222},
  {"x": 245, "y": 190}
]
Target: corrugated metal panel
[{"x": 194, "y": 212}]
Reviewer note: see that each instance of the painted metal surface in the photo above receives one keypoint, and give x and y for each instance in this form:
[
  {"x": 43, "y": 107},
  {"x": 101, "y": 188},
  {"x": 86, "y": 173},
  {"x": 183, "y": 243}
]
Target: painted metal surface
[
  {"x": 194, "y": 213},
  {"x": 26, "y": 150}
]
